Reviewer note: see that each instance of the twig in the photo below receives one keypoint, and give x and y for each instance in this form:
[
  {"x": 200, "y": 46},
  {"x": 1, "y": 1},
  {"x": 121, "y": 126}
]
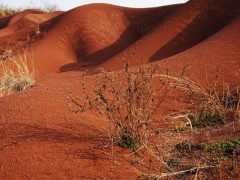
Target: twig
[
  {"x": 184, "y": 116},
  {"x": 158, "y": 158},
  {"x": 134, "y": 151},
  {"x": 163, "y": 175}
]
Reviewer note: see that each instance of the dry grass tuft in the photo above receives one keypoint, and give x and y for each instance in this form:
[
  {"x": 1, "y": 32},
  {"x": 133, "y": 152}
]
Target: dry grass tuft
[
  {"x": 7, "y": 53},
  {"x": 6, "y": 11},
  {"x": 211, "y": 105},
  {"x": 16, "y": 74}
]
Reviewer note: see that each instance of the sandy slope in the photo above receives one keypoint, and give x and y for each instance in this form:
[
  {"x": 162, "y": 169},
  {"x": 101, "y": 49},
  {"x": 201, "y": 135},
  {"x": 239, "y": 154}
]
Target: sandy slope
[
  {"x": 77, "y": 36},
  {"x": 41, "y": 139},
  {"x": 181, "y": 30}
]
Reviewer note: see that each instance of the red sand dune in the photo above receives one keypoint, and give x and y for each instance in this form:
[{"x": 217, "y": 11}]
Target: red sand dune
[
  {"x": 182, "y": 29},
  {"x": 21, "y": 15},
  {"x": 40, "y": 138},
  {"x": 89, "y": 40},
  {"x": 27, "y": 19},
  {"x": 19, "y": 29}
]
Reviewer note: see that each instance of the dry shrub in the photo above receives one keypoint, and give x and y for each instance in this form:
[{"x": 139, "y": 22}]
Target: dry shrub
[
  {"x": 6, "y": 11},
  {"x": 6, "y": 53},
  {"x": 128, "y": 100},
  {"x": 49, "y": 7},
  {"x": 16, "y": 74},
  {"x": 215, "y": 103},
  {"x": 210, "y": 105}
]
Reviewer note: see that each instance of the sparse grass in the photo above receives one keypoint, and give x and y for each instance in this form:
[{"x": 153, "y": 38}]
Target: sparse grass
[
  {"x": 149, "y": 176},
  {"x": 6, "y": 11},
  {"x": 48, "y": 7},
  {"x": 37, "y": 30},
  {"x": 128, "y": 103},
  {"x": 207, "y": 118},
  {"x": 179, "y": 129},
  {"x": 209, "y": 106},
  {"x": 7, "y": 53},
  {"x": 184, "y": 146},
  {"x": 137, "y": 161},
  {"x": 16, "y": 74},
  {"x": 213, "y": 105}
]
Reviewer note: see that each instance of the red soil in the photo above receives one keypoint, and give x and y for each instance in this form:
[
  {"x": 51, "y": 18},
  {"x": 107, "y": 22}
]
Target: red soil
[{"x": 40, "y": 138}]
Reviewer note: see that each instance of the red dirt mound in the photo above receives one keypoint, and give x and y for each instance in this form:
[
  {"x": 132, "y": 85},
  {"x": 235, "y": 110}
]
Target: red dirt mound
[
  {"x": 217, "y": 53},
  {"x": 78, "y": 36},
  {"x": 20, "y": 15},
  {"x": 20, "y": 29},
  {"x": 51, "y": 142},
  {"x": 11, "y": 24},
  {"x": 178, "y": 32},
  {"x": 24, "y": 21},
  {"x": 40, "y": 138}
]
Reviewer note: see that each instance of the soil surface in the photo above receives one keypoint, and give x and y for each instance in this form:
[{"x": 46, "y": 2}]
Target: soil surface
[{"x": 40, "y": 138}]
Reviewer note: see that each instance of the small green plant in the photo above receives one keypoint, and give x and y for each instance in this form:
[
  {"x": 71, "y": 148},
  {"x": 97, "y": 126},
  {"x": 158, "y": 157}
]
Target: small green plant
[
  {"x": 224, "y": 145},
  {"x": 219, "y": 160},
  {"x": 179, "y": 129},
  {"x": 149, "y": 177},
  {"x": 208, "y": 148},
  {"x": 137, "y": 161},
  {"x": 129, "y": 142},
  {"x": 184, "y": 146},
  {"x": 207, "y": 118},
  {"x": 221, "y": 151}
]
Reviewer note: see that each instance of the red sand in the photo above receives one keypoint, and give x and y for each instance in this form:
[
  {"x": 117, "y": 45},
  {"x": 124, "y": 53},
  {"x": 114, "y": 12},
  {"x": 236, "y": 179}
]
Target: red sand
[{"x": 40, "y": 138}]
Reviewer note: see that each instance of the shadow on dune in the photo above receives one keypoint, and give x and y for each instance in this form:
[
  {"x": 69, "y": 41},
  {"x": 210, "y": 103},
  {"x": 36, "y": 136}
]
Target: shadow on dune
[
  {"x": 211, "y": 17},
  {"x": 103, "y": 54},
  {"x": 127, "y": 38},
  {"x": 141, "y": 22},
  {"x": 4, "y": 21},
  {"x": 15, "y": 133},
  {"x": 207, "y": 23}
]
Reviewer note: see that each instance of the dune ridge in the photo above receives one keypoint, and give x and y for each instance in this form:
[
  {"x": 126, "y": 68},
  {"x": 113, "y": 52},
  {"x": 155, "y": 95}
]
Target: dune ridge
[{"x": 77, "y": 38}]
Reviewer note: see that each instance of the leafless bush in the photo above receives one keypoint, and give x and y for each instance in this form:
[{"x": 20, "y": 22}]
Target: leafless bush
[
  {"x": 46, "y": 6},
  {"x": 129, "y": 101}
]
